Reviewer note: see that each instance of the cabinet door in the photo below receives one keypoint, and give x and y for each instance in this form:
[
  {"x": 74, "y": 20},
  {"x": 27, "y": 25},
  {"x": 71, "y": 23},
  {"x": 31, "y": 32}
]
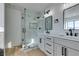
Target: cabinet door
[
  {"x": 71, "y": 52},
  {"x": 57, "y": 50},
  {"x": 41, "y": 43}
]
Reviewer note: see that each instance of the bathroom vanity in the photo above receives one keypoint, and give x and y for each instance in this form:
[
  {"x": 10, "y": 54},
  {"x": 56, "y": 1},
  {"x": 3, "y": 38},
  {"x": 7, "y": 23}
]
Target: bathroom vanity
[
  {"x": 60, "y": 45},
  {"x": 66, "y": 44}
]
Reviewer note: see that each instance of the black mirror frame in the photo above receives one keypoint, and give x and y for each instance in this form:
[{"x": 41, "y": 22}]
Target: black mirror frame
[{"x": 67, "y": 9}]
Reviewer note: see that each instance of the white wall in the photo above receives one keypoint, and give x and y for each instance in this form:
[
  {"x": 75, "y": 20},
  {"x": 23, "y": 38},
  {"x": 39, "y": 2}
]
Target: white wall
[
  {"x": 1, "y": 14},
  {"x": 57, "y": 13},
  {"x": 1, "y": 25},
  {"x": 12, "y": 26},
  {"x": 2, "y": 40}
]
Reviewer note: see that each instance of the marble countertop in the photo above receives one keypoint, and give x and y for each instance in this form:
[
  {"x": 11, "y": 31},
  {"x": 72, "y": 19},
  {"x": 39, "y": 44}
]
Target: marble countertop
[{"x": 64, "y": 37}]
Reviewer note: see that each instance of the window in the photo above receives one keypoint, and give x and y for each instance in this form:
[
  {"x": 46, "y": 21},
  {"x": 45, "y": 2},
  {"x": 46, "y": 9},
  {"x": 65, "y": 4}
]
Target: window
[
  {"x": 76, "y": 24},
  {"x": 71, "y": 24}
]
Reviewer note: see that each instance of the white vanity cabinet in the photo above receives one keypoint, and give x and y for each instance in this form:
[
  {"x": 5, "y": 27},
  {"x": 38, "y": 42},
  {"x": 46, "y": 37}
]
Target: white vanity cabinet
[
  {"x": 58, "y": 46},
  {"x": 65, "y": 47}
]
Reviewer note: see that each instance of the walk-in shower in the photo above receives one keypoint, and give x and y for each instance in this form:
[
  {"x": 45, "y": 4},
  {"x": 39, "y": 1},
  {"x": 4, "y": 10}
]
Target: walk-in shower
[{"x": 29, "y": 29}]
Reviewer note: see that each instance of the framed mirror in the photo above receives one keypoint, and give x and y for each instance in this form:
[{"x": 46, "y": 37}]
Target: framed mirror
[
  {"x": 48, "y": 23},
  {"x": 71, "y": 17}
]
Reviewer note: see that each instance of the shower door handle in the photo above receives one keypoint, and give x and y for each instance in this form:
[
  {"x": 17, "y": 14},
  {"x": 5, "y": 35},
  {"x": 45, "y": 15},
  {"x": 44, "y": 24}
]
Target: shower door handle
[
  {"x": 23, "y": 30},
  {"x": 40, "y": 40}
]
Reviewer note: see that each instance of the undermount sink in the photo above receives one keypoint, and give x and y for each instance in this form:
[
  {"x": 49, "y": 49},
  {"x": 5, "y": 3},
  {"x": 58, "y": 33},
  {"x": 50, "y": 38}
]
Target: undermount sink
[
  {"x": 70, "y": 37},
  {"x": 61, "y": 35}
]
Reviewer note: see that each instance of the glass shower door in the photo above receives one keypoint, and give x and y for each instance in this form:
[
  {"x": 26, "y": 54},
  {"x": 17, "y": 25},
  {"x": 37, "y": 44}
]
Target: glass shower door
[{"x": 29, "y": 31}]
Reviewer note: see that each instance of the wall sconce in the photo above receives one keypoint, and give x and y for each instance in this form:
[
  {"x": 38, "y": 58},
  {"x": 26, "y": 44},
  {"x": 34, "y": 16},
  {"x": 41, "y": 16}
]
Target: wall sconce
[
  {"x": 56, "y": 20},
  {"x": 47, "y": 12}
]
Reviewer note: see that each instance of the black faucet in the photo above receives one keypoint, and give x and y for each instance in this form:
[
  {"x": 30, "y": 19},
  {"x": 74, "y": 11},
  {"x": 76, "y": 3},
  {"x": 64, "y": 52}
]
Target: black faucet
[{"x": 70, "y": 30}]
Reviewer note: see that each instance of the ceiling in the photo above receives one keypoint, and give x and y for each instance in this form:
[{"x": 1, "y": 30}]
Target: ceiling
[{"x": 35, "y": 7}]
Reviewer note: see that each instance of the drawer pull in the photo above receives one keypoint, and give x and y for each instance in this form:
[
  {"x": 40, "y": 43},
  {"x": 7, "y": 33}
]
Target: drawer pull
[
  {"x": 49, "y": 38},
  {"x": 48, "y": 44},
  {"x": 65, "y": 51},
  {"x": 48, "y": 52},
  {"x": 62, "y": 51}
]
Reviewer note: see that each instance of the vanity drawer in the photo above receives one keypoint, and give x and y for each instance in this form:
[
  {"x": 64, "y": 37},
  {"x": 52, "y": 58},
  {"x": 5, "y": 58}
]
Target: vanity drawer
[
  {"x": 49, "y": 39},
  {"x": 71, "y": 44},
  {"x": 49, "y": 51},
  {"x": 49, "y": 44},
  {"x": 68, "y": 43}
]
